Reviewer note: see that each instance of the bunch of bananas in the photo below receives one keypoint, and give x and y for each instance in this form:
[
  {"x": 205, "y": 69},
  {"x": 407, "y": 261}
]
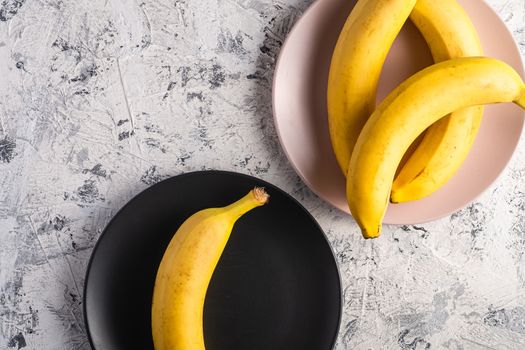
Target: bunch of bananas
[{"x": 417, "y": 138}]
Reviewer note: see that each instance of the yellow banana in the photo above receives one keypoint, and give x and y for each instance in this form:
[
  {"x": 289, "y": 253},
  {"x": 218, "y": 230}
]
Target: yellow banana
[
  {"x": 449, "y": 34},
  {"x": 407, "y": 111},
  {"x": 358, "y": 58},
  {"x": 185, "y": 272}
]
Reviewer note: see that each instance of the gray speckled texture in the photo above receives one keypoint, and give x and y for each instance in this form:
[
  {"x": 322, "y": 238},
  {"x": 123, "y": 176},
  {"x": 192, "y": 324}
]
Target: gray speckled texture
[{"x": 101, "y": 99}]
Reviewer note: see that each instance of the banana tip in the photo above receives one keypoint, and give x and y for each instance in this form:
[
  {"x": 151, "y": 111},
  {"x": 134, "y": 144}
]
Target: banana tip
[
  {"x": 521, "y": 101},
  {"x": 368, "y": 234},
  {"x": 397, "y": 197}
]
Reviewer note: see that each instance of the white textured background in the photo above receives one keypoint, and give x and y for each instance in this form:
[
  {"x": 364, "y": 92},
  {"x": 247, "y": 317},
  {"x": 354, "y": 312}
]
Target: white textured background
[{"x": 101, "y": 99}]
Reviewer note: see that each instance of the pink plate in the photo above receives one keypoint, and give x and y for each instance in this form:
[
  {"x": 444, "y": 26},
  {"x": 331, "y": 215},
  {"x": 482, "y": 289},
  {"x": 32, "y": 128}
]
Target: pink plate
[{"x": 299, "y": 95}]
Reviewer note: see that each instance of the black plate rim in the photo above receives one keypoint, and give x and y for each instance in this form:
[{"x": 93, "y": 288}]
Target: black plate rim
[{"x": 197, "y": 173}]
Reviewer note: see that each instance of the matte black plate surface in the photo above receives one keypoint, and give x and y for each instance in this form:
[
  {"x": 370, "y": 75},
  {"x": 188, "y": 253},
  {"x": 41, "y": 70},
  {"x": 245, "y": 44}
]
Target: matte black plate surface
[{"x": 276, "y": 286}]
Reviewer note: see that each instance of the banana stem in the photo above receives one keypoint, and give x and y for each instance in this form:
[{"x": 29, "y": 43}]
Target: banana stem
[{"x": 255, "y": 198}]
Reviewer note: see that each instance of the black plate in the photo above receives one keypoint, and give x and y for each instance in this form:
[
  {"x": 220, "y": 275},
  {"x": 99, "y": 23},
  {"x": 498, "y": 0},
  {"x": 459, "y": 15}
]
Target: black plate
[{"x": 276, "y": 286}]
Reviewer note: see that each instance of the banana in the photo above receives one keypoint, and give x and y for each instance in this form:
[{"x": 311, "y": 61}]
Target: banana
[
  {"x": 449, "y": 34},
  {"x": 356, "y": 64},
  {"x": 185, "y": 272},
  {"x": 407, "y": 111}
]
